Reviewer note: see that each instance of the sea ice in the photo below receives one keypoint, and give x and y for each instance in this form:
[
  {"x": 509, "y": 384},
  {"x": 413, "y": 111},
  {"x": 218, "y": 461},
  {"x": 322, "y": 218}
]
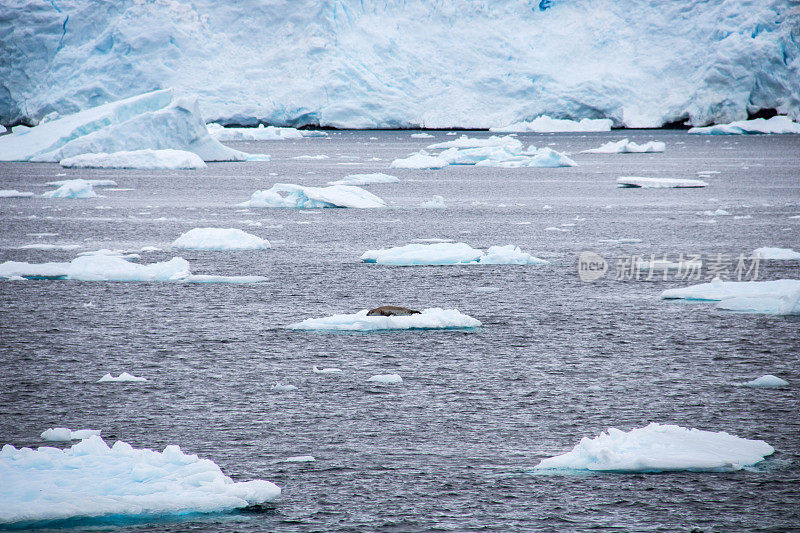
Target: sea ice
[
  {"x": 93, "y": 183},
  {"x": 545, "y": 124},
  {"x": 77, "y": 188},
  {"x": 122, "y": 377},
  {"x": 44, "y": 246},
  {"x": 278, "y": 387},
  {"x": 166, "y": 159},
  {"x": 509, "y": 255},
  {"x": 386, "y": 379},
  {"x": 298, "y": 196},
  {"x": 65, "y": 434},
  {"x": 261, "y": 133},
  {"x": 778, "y": 124},
  {"x": 91, "y": 479},
  {"x": 326, "y": 370},
  {"x": 716, "y": 213},
  {"x": 421, "y": 135},
  {"x": 660, "y": 448},
  {"x": 445, "y": 253},
  {"x": 11, "y": 193},
  {"x": 219, "y": 239},
  {"x": 767, "y": 382},
  {"x": 784, "y": 254},
  {"x": 298, "y": 459},
  {"x": 495, "y": 141},
  {"x": 659, "y": 183},
  {"x": 502, "y": 153},
  {"x": 419, "y": 160},
  {"x": 436, "y": 202},
  {"x": 625, "y": 146},
  {"x": 433, "y": 318},
  {"x": 777, "y": 297},
  {"x": 365, "y": 179}
]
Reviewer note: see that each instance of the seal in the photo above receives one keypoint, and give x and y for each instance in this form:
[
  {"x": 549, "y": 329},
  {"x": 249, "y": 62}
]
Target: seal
[{"x": 392, "y": 310}]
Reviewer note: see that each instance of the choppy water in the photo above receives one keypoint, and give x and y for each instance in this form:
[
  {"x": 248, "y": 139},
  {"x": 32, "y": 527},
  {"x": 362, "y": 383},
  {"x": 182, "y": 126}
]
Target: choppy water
[{"x": 452, "y": 448}]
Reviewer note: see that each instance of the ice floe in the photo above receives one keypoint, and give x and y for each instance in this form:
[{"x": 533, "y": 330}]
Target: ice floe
[
  {"x": 278, "y": 387},
  {"x": 326, "y": 370},
  {"x": 77, "y": 188},
  {"x": 767, "y": 381},
  {"x": 433, "y": 318},
  {"x": 91, "y": 479},
  {"x": 436, "y": 202},
  {"x": 93, "y": 183},
  {"x": 419, "y": 160},
  {"x": 43, "y": 246},
  {"x": 261, "y": 133},
  {"x": 777, "y": 297},
  {"x": 545, "y": 124},
  {"x": 386, "y": 379},
  {"x": 506, "y": 152},
  {"x": 716, "y": 213},
  {"x": 66, "y": 434},
  {"x": 365, "y": 179},
  {"x": 779, "y": 124},
  {"x": 421, "y": 135},
  {"x": 155, "y": 120},
  {"x": 659, "y": 183},
  {"x": 445, "y": 253},
  {"x": 311, "y": 157},
  {"x": 297, "y": 459},
  {"x": 625, "y": 146},
  {"x": 300, "y": 197},
  {"x": 780, "y": 254},
  {"x": 219, "y": 239},
  {"x": 11, "y": 193},
  {"x": 495, "y": 141},
  {"x": 166, "y": 159},
  {"x": 660, "y": 448},
  {"x": 122, "y": 377}
]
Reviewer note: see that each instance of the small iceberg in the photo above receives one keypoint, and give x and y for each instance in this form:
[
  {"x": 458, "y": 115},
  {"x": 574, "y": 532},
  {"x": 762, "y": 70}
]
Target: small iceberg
[
  {"x": 278, "y": 387},
  {"x": 66, "y": 434},
  {"x": 495, "y": 141},
  {"x": 659, "y": 183},
  {"x": 386, "y": 379},
  {"x": 777, "y": 297},
  {"x": 219, "y": 239},
  {"x": 433, "y": 318},
  {"x": 327, "y": 370},
  {"x": 715, "y": 213},
  {"x": 91, "y": 480},
  {"x": 365, "y": 179},
  {"x": 436, "y": 202},
  {"x": 261, "y": 133},
  {"x": 421, "y": 135},
  {"x": 297, "y": 459},
  {"x": 625, "y": 146},
  {"x": 166, "y": 159},
  {"x": 12, "y": 193},
  {"x": 445, "y": 253},
  {"x": 419, "y": 160},
  {"x": 779, "y": 124},
  {"x": 122, "y": 377},
  {"x": 660, "y": 448},
  {"x": 545, "y": 124},
  {"x": 93, "y": 183},
  {"x": 311, "y": 157},
  {"x": 77, "y": 188},
  {"x": 776, "y": 254},
  {"x": 767, "y": 382},
  {"x": 505, "y": 152},
  {"x": 300, "y": 197}
]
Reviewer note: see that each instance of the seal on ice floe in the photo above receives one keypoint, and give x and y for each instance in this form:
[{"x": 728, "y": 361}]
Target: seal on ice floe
[{"x": 392, "y": 310}]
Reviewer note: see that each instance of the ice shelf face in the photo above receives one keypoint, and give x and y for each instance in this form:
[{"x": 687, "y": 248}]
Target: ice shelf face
[{"x": 410, "y": 56}]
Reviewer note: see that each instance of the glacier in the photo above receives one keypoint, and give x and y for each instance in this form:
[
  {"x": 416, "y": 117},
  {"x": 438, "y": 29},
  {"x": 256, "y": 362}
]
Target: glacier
[{"x": 394, "y": 63}]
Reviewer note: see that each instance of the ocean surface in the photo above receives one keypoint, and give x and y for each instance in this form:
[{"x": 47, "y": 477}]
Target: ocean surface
[{"x": 453, "y": 447}]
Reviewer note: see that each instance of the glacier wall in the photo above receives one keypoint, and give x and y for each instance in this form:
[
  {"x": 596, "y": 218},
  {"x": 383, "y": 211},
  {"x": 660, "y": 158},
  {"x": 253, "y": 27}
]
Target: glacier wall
[{"x": 412, "y": 63}]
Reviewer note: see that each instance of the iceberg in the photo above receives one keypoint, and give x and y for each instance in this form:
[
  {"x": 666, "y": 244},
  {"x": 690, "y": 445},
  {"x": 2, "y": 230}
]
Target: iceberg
[
  {"x": 91, "y": 480},
  {"x": 365, "y": 179},
  {"x": 777, "y": 297},
  {"x": 11, "y": 193},
  {"x": 219, "y": 239},
  {"x": 419, "y": 160},
  {"x": 772, "y": 125},
  {"x": 445, "y": 253},
  {"x": 433, "y": 318},
  {"x": 300, "y": 197},
  {"x": 261, "y": 133},
  {"x": 660, "y": 448},
  {"x": 545, "y": 124},
  {"x": 659, "y": 183},
  {"x": 496, "y": 152},
  {"x": 386, "y": 379},
  {"x": 142, "y": 159},
  {"x": 767, "y": 382},
  {"x": 77, "y": 188},
  {"x": 122, "y": 377},
  {"x": 779, "y": 254},
  {"x": 155, "y": 120},
  {"x": 66, "y": 434},
  {"x": 625, "y": 146},
  {"x": 436, "y": 202}
]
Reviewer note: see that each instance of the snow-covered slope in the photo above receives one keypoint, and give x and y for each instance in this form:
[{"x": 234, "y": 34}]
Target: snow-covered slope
[{"x": 387, "y": 63}]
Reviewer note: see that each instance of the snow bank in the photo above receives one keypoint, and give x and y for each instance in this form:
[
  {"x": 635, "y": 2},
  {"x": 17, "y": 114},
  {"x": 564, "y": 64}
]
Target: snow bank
[
  {"x": 365, "y": 179},
  {"x": 777, "y": 124},
  {"x": 142, "y": 159},
  {"x": 445, "y": 253},
  {"x": 783, "y": 254},
  {"x": 386, "y": 379},
  {"x": 660, "y": 448},
  {"x": 261, "y": 133},
  {"x": 545, "y": 124},
  {"x": 625, "y": 146},
  {"x": 77, "y": 188},
  {"x": 91, "y": 479},
  {"x": 122, "y": 377},
  {"x": 778, "y": 297},
  {"x": 659, "y": 183},
  {"x": 419, "y": 160},
  {"x": 436, "y": 202},
  {"x": 298, "y": 196},
  {"x": 219, "y": 239},
  {"x": 11, "y": 193},
  {"x": 65, "y": 434},
  {"x": 767, "y": 382},
  {"x": 433, "y": 318},
  {"x": 154, "y": 120}
]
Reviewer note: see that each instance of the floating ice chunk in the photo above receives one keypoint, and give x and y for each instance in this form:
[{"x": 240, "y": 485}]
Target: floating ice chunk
[
  {"x": 433, "y": 318},
  {"x": 2, "y": 129},
  {"x": 145, "y": 249},
  {"x": 11, "y": 193},
  {"x": 365, "y": 179},
  {"x": 207, "y": 278},
  {"x": 219, "y": 239},
  {"x": 784, "y": 254},
  {"x": 261, "y": 133},
  {"x": 508, "y": 142},
  {"x": 779, "y": 124},
  {"x": 77, "y": 188},
  {"x": 100, "y": 268},
  {"x": 777, "y": 297},
  {"x": 91, "y": 479},
  {"x": 436, "y": 202},
  {"x": 122, "y": 377},
  {"x": 625, "y": 146},
  {"x": 443, "y": 253},
  {"x": 545, "y": 124},
  {"x": 660, "y": 448},
  {"x": 93, "y": 183},
  {"x": 298, "y": 196},
  {"x": 386, "y": 379},
  {"x": 65, "y": 434},
  {"x": 509, "y": 255},
  {"x": 298, "y": 459},
  {"x": 421, "y": 135},
  {"x": 311, "y": 157},
  {"x": 327, "y": 370},
  {"x": 659, "y": 183},
  {"x": 716, "y": 213},
  {"x": 506, "y": 156},
  {"x": 313, "y": 133},
  {"x": 419, "y": 160},
  {"x": 50, "y": 247},
  {"x": 166, "y": 159},
  {"x": 767, "y": 382},
  {"x": 278, "y": 387}
]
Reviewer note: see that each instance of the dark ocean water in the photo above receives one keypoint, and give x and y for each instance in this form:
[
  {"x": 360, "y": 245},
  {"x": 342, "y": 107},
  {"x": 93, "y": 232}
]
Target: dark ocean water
[{"x": 453, "y": 447}]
